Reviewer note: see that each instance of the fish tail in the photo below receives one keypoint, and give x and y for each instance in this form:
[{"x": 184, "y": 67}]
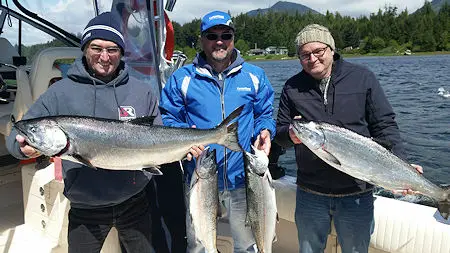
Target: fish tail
[
  {"x": 230, "y": 139},
  {"x": 233, "y": 115},
  {"x": 444, "y": 206}
]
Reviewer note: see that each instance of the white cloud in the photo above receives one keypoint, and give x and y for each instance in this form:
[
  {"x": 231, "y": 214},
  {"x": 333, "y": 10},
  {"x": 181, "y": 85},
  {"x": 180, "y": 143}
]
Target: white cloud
[
  {"x": 73, "y": 15},
  {"x": 70, "y": 15},
  {"x": 187, "y": 10}
]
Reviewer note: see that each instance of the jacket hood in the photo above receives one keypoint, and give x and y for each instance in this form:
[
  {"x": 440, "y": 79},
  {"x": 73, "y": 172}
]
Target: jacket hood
[
  {"x": 78, "y": 73},
  {"x": 200, "y": 61}
]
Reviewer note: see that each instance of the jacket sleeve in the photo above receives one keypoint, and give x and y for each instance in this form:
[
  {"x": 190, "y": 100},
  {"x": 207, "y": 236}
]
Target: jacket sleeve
[
  {"x": 284, "y": 120},
  {"x": 172, "y": 105},
  {"x": 263, "y": 107},
  {"x": 381, "y": 117},
  {"x": 38, "y": 109}
]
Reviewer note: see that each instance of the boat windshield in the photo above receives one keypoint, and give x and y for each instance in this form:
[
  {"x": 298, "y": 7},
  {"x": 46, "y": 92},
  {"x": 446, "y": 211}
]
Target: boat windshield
[{"x": 47, "y": 16}]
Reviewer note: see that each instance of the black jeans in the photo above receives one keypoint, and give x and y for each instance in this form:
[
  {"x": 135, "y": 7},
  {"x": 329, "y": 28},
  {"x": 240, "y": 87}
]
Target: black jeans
[
  {"x": 168, "y": 207},
  {"x": 88, "y": 228}
]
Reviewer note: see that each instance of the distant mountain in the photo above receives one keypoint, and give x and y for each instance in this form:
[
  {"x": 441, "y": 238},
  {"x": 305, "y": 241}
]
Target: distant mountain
[
  {"x": 437, "y": 5},
  {"x": 283, "y": 6}
]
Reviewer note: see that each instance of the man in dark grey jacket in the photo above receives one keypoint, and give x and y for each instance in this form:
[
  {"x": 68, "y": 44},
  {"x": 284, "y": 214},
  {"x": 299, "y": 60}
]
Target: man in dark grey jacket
[
  {"x": 332, "y": 90},
  {"x": 98, "y": 85}
]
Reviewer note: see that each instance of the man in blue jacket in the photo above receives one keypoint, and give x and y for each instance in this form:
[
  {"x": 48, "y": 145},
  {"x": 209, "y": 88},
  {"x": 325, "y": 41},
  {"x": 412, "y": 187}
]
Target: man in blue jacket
[
  {"x": 204, "y": 93},
  {"x": 332, "y": 90},
  {"x": 98, "y": 85}
]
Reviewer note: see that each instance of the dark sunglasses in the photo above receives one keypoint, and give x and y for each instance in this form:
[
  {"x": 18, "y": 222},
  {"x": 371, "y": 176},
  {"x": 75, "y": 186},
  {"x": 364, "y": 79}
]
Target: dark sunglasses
[{"x": 215, "y": 36}]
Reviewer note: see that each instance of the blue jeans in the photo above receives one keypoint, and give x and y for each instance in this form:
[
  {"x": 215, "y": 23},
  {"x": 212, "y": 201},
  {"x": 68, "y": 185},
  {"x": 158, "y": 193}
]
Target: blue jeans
[
  {"x": 352, "y": 216},
  {"x": 88, "y": 228},
  {"x": 234, "y": 202}
]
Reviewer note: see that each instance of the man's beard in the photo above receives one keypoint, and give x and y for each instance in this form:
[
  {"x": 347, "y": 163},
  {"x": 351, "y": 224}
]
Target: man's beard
[{"x": 220, "y": 56}]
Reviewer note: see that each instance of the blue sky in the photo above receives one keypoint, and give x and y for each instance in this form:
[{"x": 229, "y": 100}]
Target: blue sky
[{"x": 73, "y": 15}]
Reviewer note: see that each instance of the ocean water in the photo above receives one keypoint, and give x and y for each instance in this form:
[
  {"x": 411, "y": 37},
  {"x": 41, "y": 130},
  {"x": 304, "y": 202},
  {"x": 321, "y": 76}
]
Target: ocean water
[{"x": 411, "y": 84}]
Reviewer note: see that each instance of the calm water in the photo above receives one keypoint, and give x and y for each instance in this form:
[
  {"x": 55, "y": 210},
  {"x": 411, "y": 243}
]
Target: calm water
[{"x": 411, "y": 84}]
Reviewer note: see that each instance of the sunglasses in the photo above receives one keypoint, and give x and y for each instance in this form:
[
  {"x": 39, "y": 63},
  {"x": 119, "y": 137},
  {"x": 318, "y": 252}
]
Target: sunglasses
[{"x": 215, "y": 36}]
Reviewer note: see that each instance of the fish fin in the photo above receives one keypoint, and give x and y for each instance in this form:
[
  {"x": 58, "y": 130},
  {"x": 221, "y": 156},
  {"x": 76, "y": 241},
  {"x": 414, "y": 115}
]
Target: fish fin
[
  {"x": 83, "y": 160},
  {"x": 154, "y": 170},
  {"x": 330, "y": 158},
  {"x": 233, "y": 115},
  {"x": 444, "y": 206},
  {"x": 194, "y": 179},
  {"x": 147, "y": 120},
  {"x": 247, "y": 220},
  {"x": 275, "y": 238},
  {"x": 230, "y": 139},
  {"x": 149, "y": 175}
]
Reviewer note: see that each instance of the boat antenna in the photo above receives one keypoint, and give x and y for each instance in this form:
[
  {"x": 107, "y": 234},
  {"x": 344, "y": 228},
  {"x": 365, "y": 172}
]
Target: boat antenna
[{"x": 94, "y": 2}]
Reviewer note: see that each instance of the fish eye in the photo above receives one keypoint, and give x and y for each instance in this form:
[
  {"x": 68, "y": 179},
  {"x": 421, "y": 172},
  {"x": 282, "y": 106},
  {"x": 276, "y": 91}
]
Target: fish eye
[{"x": 33, "y": 129}]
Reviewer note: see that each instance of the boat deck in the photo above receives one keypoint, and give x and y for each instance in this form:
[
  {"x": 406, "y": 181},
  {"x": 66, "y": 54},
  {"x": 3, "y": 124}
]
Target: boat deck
[
  {"x": 400, "y": 227},
  {"x": 11, "y": 204}
]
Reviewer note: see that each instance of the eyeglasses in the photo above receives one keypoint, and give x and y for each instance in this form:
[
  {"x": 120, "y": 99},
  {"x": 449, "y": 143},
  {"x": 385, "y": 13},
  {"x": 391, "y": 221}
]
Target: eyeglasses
[
  {"x": 215, "y": 36},
  {"x": 319, "y": 52},
  {"x": 109, "y": 50}
]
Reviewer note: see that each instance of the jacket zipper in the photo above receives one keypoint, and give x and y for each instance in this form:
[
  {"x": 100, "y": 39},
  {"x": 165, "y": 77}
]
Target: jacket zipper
[{"x": 225, "y": 163}]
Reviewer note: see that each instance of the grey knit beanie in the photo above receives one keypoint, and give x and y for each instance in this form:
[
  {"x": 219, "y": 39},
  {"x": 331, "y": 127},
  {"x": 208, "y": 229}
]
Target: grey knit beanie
[{"x": 315, "y": 33}]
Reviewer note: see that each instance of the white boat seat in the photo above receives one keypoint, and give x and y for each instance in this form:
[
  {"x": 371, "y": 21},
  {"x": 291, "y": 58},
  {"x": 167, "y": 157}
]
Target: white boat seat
[
  {"x": 400, "y": 226},
  {"x": 43, "y": 71},
  {"x": 23, "y": 99}
]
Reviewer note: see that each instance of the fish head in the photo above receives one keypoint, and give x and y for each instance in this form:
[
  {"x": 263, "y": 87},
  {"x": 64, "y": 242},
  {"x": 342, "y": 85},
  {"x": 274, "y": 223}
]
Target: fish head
[
  {"x": 43, "y": 134},
  {"x": 206, "y": 163},
  {"x": 310, "y": 133},
  {"x": 258, "y": 162}
]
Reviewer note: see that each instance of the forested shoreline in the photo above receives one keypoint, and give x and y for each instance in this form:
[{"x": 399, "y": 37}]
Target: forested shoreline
[{"x": 387, "y": 31}]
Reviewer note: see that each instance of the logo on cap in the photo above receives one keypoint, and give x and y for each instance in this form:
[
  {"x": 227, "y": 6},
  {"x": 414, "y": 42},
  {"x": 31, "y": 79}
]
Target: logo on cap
[{"x": 216, "y": 17}]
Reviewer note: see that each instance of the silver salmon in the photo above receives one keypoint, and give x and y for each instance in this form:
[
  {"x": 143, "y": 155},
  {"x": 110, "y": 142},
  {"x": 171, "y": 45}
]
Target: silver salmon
[
  {"x": 262, "y": 213},
  {"x": 121, "y": 145},
  {"x": 365, "y": 159},
  {"x": 204, "y": 200}
]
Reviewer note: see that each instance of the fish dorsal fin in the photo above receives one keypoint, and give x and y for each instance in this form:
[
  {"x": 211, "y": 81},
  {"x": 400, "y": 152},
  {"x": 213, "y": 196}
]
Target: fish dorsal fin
[
  {"x": 147, "y": 120},
  {"x": 83, "y": 160}
]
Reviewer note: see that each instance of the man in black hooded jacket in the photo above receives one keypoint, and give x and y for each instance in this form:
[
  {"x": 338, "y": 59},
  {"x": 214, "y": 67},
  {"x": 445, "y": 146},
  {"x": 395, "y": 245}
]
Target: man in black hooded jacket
[{"x": 332, "y": 90}]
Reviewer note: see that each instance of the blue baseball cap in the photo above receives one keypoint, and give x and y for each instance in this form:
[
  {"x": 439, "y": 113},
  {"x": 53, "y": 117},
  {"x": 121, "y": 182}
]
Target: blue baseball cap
[{"x": 216, "y": 18}]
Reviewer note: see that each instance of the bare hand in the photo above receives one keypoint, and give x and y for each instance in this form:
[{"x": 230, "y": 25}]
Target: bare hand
[
  {"x": 263, "y": 141},
  {"x": 409, "y": 191},
  {"x": 26, "y": 149},
  {"x": 194, "y": 151},
  {"x": 292, "y": 135}
]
